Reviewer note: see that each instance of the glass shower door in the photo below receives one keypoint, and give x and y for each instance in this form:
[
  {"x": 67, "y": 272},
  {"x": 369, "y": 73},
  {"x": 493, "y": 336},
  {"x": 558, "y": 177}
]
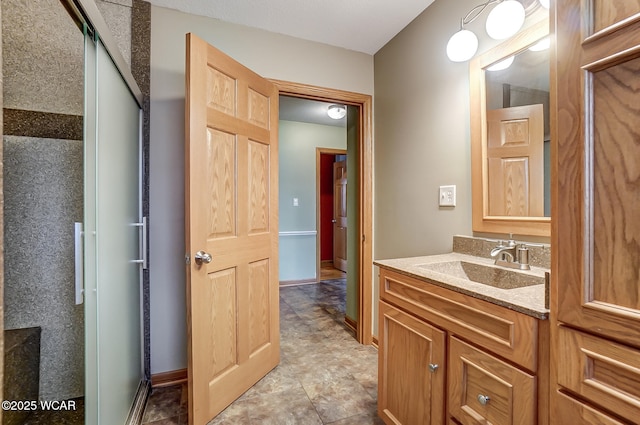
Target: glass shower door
[{"x": 113, "y": 357}]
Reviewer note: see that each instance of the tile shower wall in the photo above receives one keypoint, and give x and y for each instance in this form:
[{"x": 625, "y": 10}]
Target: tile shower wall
[
  {"x": 43, "y": 197},
  {"x": 43, "y": 177}
]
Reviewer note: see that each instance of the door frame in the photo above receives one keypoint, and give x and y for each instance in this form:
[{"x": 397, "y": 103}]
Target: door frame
[
  {"x": 364, "y": 214},
  {"x": 319, "y": 153}
]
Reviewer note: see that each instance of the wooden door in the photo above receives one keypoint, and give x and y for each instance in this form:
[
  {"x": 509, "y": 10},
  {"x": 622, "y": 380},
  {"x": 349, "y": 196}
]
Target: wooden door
[
  {"x": 411, "y": 369},
  {"x": 598, "y": 231},
  {"x": 515, "y": 160},
  {"x": 340, "y": 215},
  {"x": 232, "y": 215}
]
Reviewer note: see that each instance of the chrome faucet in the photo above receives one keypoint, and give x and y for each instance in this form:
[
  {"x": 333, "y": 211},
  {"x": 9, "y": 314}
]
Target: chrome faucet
[{"x": 511, "y": 255}]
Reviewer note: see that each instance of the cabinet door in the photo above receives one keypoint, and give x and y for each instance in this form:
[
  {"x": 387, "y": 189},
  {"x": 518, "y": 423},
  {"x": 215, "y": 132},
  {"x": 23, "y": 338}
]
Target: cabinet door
[
  {"x": 486, "y": 390},
  {"x": 596, "y": 205},
  {"x": 411, "y": 369}
]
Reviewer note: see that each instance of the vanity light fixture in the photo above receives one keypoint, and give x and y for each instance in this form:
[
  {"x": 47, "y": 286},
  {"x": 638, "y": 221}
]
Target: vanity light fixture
[
  {"x": 504, "y": 20},
  {"x": 503, "y": 64},
  {"x": 545, "y": 3},
  {"x": 541, "y": 45},
  {"x": 337, "y": 111}
]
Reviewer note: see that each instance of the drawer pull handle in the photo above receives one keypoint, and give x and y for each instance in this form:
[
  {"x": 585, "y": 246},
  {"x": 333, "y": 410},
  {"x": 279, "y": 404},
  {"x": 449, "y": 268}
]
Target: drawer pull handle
[
  {"x": 433, "y": 367},
  {"x": 483, "y": 399}
]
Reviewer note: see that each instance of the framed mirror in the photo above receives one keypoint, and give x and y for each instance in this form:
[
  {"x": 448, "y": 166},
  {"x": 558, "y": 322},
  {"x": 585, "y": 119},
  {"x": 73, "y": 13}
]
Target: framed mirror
[{"x": 510, "y": 135}]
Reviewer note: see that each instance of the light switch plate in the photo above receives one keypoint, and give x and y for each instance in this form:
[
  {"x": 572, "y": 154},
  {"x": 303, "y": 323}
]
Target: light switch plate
[{"x": 447, "y": 196}]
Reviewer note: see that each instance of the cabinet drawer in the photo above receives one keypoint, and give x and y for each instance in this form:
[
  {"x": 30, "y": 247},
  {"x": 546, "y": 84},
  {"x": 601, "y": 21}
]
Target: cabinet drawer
[
  {"x": 601, "y": 371},
  {"x": 570, "y": 411},
  {"x": 505, "y": 332},
  {"x": 509, "y": 393}
]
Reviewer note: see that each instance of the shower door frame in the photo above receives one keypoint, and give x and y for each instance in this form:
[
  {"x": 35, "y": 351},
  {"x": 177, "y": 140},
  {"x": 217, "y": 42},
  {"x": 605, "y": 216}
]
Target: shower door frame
[{"x": 87, "y": 15}]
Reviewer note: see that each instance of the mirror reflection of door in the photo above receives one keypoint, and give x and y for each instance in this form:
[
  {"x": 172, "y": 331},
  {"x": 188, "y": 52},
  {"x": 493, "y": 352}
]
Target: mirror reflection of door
[
  {"x": 515, "y": 161},
  {"x": 340, "y": 215}
]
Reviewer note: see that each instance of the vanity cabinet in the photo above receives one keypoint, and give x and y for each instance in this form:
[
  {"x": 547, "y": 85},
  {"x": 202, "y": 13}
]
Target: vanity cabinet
[
  {"x": 448, "y": 357},
  {"x": 595, "y": 297}
]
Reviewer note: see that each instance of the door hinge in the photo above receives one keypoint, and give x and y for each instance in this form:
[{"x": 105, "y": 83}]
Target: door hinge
[{"x": 187, "y": 258}]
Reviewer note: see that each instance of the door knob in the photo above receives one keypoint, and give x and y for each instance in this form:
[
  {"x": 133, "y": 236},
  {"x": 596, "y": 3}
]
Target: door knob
[
  {"x": 202, "y": 257},
  {"x": 333, "y": 221}
]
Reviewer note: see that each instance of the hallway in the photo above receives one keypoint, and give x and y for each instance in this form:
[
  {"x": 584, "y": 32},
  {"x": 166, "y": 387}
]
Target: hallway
[{"x": 324, "y": 376}]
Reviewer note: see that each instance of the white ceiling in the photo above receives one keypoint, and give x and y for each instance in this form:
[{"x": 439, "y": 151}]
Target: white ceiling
[
  {"x": 306, "y": 110},
  {"x": 360, "y": 25}
]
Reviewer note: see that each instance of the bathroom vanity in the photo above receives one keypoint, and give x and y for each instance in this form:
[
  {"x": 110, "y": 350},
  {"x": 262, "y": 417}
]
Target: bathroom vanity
[{"x": 462, "y": 341}]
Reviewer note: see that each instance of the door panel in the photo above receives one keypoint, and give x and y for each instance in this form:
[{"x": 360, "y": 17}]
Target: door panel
[
  {"x": 113, "y": 364},
  {"x": 231, "y": 214},
  {"x": 598, "y": 229},
  {"x": 340, "y": 215}
]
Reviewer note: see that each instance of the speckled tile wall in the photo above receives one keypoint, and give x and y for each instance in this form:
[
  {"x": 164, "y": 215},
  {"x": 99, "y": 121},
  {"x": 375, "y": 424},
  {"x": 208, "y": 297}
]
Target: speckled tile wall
[
  {"x": 43, "y": 197},
  {"x": 43, "y": 101},
  {"x": 1, "y": 230},
  {"x": 42, "y": 57}
]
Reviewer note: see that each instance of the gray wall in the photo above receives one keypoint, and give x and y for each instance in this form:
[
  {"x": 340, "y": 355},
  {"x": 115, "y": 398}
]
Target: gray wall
[
  {"x": 269, "y": 54},
  {"x": 297, "y": 172},
  {"x": 422, "y": 136}
]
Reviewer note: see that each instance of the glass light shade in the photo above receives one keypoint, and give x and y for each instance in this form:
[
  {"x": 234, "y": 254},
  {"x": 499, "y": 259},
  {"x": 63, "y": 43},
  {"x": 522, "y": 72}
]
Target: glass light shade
[
  {"x": 462, "y": 46},
  {"x": 545, "y": 3},
  {"x": 505, "y": 19},
  {"x": 541, "y": 45},
  {"x": 336, "y": 111},
  {"x": 503, "y": 64}
]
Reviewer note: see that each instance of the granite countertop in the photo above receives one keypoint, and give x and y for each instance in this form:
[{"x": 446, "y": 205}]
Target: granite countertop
[{"x": 529, "y": 300}]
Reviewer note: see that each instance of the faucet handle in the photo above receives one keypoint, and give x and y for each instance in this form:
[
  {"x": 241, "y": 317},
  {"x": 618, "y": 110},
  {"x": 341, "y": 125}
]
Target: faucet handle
[{"x": 523, "y": 256}]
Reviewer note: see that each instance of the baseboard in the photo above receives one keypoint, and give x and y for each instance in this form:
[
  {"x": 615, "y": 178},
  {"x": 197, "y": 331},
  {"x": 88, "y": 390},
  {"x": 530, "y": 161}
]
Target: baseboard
[
  {"x": 166, "y": 379},
  {"x": 374, "y": 341},
  {"x": 298, "y": 282},
  {"x": 326, "y": 263},
  {"x": 351, "y": 324},
  {"x": 139, "y": 403}
]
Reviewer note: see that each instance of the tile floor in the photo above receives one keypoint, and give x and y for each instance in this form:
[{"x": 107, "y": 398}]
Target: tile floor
[{"x": 324, "y": 377}]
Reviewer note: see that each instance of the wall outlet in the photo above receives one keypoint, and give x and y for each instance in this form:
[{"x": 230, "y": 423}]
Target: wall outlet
[{"x": 447, "y": 196}]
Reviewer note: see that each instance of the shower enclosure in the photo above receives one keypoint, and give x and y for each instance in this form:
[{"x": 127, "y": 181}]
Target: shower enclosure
[{"x": 73, "y": 226}]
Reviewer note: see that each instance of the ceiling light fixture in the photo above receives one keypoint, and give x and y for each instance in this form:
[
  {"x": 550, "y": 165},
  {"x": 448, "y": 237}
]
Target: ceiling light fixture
[
  {"x": 503, "y": 21},
  {"x": 337, "y": 111}
]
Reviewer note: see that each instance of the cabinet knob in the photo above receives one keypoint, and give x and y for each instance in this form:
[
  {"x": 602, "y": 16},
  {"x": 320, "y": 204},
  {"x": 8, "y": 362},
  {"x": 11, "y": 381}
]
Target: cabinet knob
[
  {"x": 433, "y": 367},
  {"x": 483, "y": 399}
]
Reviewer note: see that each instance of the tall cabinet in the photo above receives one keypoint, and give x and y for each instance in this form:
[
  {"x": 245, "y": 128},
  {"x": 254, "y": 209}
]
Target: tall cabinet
[{"x": 596, "y": 201}]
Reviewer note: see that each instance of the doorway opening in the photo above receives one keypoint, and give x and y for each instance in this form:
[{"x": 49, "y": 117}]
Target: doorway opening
[
  {"x": 361, "y": 107},
  {"x": 331, "y": 213}
]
